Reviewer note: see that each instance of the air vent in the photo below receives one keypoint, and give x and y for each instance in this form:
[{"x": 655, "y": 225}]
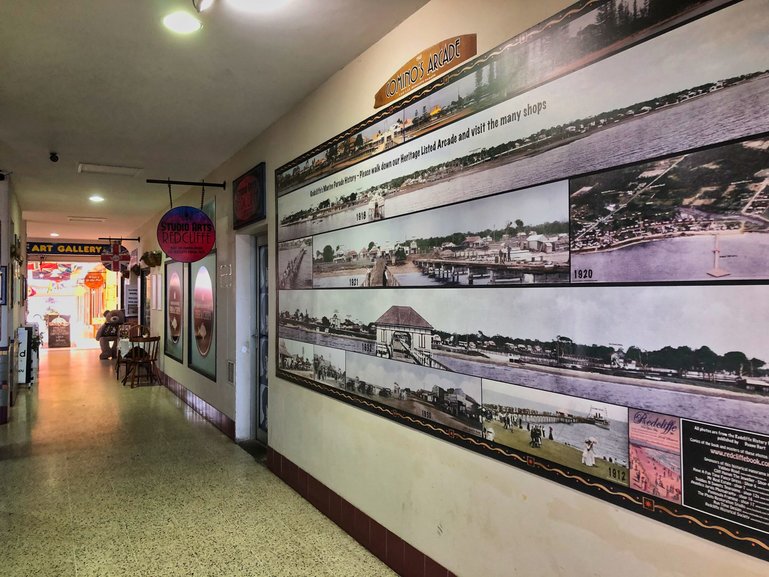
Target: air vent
[
  {"x": 230, "y": 372},
  {"x": 86, "y": 219},
  {"x": 108, "y": 169}
]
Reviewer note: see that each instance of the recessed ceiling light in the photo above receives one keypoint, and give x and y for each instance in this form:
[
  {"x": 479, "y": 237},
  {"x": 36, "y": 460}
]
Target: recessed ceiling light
[
  {"x": 55, "y": 234},
  {"x": 257, "y": 5},
  {"x": 96, "y": 198},
  {"x": 182, "y": 22}
]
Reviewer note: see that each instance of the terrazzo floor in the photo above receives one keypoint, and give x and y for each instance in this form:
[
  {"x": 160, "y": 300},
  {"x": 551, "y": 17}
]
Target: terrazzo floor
[{"x": 100, "y": 479}]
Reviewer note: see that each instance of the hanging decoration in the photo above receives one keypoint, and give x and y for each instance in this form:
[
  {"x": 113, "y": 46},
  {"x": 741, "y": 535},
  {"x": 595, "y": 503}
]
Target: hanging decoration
[{"x": 115, "y": 256}]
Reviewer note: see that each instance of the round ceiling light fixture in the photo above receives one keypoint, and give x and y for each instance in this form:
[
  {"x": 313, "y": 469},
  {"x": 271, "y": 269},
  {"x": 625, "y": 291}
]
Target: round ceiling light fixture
[
  {"x": 257, "y": 5},
  {"x": 182, "y": 22},
  {"x": 96, "y": 198}
]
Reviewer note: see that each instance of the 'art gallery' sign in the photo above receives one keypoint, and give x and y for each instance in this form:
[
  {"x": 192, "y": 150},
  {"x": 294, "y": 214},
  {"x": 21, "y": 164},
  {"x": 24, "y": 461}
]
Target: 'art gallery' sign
[
  {"x": 426, "y": 65},
  {"x": 186, "y": 234}
]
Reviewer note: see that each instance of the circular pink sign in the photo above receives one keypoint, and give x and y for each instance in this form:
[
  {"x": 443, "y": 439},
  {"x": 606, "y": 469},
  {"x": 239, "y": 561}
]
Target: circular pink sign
[{"x": 186, "y": 234}]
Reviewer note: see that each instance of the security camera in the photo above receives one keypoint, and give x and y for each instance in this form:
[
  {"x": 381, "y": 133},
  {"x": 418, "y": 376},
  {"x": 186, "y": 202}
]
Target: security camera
[{"x": 53, "y": 157}]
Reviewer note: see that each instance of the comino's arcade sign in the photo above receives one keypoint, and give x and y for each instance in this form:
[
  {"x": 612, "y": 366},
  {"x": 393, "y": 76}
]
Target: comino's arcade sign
[{"x": 427, "y": 65}]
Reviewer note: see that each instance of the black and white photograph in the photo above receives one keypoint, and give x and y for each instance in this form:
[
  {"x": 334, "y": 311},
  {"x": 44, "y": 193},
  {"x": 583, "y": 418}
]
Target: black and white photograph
[
  {"x": 519, "y": 237},
  {"x": 699, "y": 216},
  {"x": 295, "y": 357},
  {"x": 676, "y": 350},
  {"x": 295, "y": 264},
  {"x": 447, "y": 398},
  {"x": 328, "y": 366},
  {"x": 582, "y": 434},
  {"x": 592, "y": 119},
  {"x": 569, "y": 40}
]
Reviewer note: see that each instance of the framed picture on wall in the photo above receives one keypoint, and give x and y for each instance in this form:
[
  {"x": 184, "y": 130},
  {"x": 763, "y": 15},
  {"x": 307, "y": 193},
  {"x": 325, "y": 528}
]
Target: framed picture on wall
[
  {"x": 3, "y": 285},
  {"x": 201, "y": 312},
  {"x": 174, "y": 317},
  {"x": 248, "y": 197}
]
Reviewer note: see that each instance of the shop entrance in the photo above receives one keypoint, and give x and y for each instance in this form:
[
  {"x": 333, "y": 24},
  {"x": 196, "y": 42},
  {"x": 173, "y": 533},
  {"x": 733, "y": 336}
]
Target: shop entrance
[{"x": 67, "y": 299}]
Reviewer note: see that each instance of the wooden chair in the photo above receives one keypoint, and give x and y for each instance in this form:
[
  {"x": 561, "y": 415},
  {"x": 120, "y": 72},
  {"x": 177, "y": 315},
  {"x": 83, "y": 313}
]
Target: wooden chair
[
  {"x": 138, "y": 331},
  {"x": 142, "y": 358}
]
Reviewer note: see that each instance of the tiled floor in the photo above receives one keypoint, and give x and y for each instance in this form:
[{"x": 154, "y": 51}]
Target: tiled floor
[{"x": 99, "y": 479}]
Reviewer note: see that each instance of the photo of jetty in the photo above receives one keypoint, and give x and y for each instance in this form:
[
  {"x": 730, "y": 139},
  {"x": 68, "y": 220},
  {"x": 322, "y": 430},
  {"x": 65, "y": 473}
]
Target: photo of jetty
[
  {"x": 682, "y": 103},
  {"x": 329, "y": 366},
  {"x": 695, "y": 216},
  {"x": 683, "y": 351},
  {"x": 447, "y": 398},
  {"x": 295, "y": 264},
  {"x": 520, "y": 237},
  {"x": 295, "y": 357},
  {"x": 565, "y": 42},
  {"x": 581, "y": 434}
]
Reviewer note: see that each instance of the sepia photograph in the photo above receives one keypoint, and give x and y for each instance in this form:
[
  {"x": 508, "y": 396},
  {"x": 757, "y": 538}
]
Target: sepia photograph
[
  {"x": 699, "y": 216},
  {"x": 519, "y": 237},
  {"x": 447, "y": 398},
  {"x": 328, "y": 366},
  {"x": 295, "y": 264},
  {"x": 582, "y": 434},
  {"x": 569, "y": 40},
  {"x": 686, "y": 351},
  {"x": 295, "y": 357},
  {"x": 546, "y": 134}
]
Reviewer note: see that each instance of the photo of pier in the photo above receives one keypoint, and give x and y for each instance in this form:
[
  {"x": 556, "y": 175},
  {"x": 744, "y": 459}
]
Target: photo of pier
[
  {"x": 695, "y": 216},
  {"x": 519, "y": 237},
  {"x": 674, "y": 350},
  {"x": 329, "y": 366},
  {"x": 295, "y": 264},
  {"x": 447, "y": 398},
  {"x": 655, "y": 454},
  {"x": 512, "y": 145},
  {"x": 582, "y": 434}
]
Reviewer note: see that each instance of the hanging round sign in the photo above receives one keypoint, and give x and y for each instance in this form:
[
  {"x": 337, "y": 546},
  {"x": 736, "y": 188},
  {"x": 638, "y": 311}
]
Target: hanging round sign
[
  {"x": 94, "y": 280},
  {"x": 186, "y": 234},
  {"x": 115, "y": 256}
]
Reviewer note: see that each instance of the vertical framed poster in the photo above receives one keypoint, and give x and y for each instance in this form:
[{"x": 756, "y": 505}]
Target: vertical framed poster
[
  {"x": 174, "y": 317},
  {"x": 201, "y": 326},
  {"x": 248, "y": 197}
]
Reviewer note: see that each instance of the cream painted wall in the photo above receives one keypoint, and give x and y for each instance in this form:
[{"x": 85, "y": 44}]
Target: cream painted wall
[{"x": 472, "y": 514}]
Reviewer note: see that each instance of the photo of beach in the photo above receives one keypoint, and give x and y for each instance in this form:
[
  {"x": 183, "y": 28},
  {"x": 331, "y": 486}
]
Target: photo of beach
[
  {"x": 699, "y": 216},
  {"x": 582, "y": 434},
  {"x": 518, "y": 237},
  {"x": 295, "y": 264},
  {"x": 447, "y": 398},
  {"x": 673, "y": 350},
  {"x": 655, "y": 454}
]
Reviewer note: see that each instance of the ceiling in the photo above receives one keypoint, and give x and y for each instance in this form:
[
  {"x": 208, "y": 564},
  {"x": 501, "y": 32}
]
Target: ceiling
[{"x": 105, "y": 83}]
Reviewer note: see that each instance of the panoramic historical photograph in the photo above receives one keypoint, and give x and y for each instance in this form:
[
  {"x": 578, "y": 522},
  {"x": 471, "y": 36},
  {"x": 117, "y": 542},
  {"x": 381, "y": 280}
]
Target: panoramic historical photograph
[
  {"x": 519, "y": 237},
  {"x": 447, "y": 398},
  {"x": 692, "y": 217},
  {"x": 675, "y": 350},
  {"x": 584, "y": 435}
]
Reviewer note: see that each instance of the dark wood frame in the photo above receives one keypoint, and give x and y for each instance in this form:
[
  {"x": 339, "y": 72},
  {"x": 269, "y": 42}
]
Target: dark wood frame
[{"x": 256, "y": 195}]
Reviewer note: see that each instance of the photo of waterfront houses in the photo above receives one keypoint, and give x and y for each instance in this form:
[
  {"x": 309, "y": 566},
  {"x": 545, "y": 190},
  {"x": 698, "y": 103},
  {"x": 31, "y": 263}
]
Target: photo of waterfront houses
[
  {"x": 655, "y": 454},
  {"x": 518, "y": 237},
  {"x": 695, "y": 216},
  {"x": 581, "y": 434},
  {"x": 565, "y": 42},
  {"x": 295, "y": 264},
  {"x": 694, "y": 351},
  {"x": 329, "y": 366},
  {"x": 295, "y": 357},
  {"x": 447, "y": 398}
]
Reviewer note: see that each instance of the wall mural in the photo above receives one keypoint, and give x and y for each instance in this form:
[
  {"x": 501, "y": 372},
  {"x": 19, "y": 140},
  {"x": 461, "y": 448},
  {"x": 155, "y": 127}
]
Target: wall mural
[{"x": 565, "y": 247}]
